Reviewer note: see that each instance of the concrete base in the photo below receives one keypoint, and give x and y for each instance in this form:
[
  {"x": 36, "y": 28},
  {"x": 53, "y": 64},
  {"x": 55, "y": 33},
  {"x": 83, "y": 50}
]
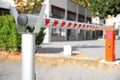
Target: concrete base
[{"x": 112, "y": 63}]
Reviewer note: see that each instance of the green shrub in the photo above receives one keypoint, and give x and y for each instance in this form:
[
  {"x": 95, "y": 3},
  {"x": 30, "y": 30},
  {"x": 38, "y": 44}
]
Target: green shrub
[
  {"x": 10, "y": 39},
  {"x": 40, "y": 36}
]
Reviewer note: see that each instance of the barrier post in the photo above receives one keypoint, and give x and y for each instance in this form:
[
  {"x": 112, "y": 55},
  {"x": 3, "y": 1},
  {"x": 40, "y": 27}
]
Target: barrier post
[
  {"x": 28, "y": 55},
  {"x": 110, "y": 42}
]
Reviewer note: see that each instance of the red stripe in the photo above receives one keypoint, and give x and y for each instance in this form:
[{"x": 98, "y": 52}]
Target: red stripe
[
  {"x": 47, "y": 21},
  {"x": 98, "y": 28},
  {"x": 90, "y": 27},
  {"x": 84, "y": 26},
  {"x": 95, "y": 27},
  {"x": 55, "y": 23},
  {"x": 79, "y": 25},
  {"x": 63, "y": 24},
  {"x": 75, "y": 25},
  {"x": 87, "y": 26},
  {"x": 69, "y": 24},
  {"x": 101, "y": 28}
]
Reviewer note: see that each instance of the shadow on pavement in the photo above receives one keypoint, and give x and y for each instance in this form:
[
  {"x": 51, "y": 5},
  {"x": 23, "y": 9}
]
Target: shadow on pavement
[
  {"x": 59, "y": 50},
  {"x": 49, "y": 50},
  {"x": 88, "y": 46},
  {"x": 118, "y": 59}
]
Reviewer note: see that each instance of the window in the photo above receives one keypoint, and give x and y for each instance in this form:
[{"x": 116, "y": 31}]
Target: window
[
  {"x": 88, "y": 19},
  {"x": 80, "y": 18},
  {"x": 58, "y": 32},
  {"x": 58, "y": 12},
  {"x": 71, "y": 16}
]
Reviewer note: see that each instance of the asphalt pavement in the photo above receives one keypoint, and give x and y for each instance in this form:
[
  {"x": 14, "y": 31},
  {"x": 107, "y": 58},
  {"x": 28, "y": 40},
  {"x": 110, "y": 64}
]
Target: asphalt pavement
[
  {"x": 12, "y": 70},
  {"x": 92, "y": 48}
]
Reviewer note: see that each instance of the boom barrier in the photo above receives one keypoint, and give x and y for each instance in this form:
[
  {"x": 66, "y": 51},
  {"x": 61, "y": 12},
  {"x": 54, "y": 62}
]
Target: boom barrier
[
  {"x": 28, "y": 37},
  {"x": 73, "y": 24},
  {"x": 31, "y": 20}
]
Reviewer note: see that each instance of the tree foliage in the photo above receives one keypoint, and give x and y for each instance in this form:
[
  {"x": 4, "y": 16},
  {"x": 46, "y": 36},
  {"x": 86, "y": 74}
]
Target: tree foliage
[
  {"x": 28, "y": 6},
  {"x": 85, "y": 3},
  {"x": 40, "y": 36},
  {"x": 101, "y": 8}
]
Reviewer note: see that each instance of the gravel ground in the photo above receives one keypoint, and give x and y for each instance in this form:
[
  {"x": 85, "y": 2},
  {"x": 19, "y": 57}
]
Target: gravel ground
[{"x": 12, "y": 70}]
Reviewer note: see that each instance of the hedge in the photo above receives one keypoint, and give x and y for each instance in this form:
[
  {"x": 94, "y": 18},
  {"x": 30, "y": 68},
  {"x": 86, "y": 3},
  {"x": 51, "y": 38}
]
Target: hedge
[{"x": 10, "y": 39}]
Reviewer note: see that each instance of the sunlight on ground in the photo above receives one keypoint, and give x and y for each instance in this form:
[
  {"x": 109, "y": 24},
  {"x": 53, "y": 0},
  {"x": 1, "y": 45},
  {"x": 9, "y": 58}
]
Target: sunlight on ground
[{"x": 76, "y": 60}]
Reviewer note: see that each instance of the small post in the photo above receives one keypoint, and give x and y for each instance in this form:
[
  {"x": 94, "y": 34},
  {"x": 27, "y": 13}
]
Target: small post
[
  {"x": 67, "y": 50},
  {"x": 28, "y": 53}
]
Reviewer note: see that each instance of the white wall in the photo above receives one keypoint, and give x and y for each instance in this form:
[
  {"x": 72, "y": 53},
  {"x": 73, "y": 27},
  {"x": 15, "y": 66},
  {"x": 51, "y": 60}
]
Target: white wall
[
  {"x": 6, "y": 4},
  {"x": 71, "y": 6},
  {"x": 96, "y": 20},
  {"x": 59, "y": 3},
  {"x": 88, "y": 13},
  {"x": 57, "y": 38},
  {"x": 81, "y": 10},
  {"x": 48, "y": 8}
]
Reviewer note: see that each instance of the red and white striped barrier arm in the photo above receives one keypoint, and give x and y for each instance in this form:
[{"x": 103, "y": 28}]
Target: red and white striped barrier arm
[
  {"x": 51, "y": 22},
  {"x": 59, "y": 23},
  {"x": 41, "y": 21}
]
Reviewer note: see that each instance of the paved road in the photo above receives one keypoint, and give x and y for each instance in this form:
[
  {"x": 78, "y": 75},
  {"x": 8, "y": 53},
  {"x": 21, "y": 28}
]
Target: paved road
[
  {"x": 12, "y": 71},
  {"x": 93, "y": 48}
]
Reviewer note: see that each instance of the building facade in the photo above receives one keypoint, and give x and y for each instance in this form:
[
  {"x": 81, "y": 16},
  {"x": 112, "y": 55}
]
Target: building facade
[{"x": 67, "y": 10}]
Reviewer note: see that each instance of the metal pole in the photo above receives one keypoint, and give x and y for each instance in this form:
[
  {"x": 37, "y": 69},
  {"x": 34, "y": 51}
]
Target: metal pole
[{"x": 28, "y": 51}]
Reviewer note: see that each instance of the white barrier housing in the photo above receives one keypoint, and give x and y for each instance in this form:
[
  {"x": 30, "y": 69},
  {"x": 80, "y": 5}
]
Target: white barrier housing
[{"x": 28, "y": 51}]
